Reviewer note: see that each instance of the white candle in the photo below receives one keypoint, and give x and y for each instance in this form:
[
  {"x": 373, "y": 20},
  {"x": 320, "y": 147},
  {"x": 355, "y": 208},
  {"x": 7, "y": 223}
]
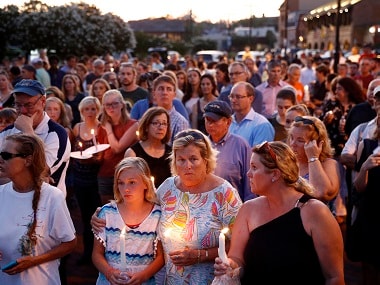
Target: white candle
[
  {"x": 94, "y": 139},
  {"x": 222, "y": 246},
  {"x": 152, "y": 178},
  {"x": 123, "y": 262}
]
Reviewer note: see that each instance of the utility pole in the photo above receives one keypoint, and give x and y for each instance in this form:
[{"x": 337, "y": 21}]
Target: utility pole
[
  {"x": 286, "y": 30},
  {"x": 337, "y": 43}
]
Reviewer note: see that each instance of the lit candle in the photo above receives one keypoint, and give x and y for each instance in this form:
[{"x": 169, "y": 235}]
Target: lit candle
[
  {"x": 306, "y": 97},
  {"x": 81, "y": 147},
  {"x": 152, "y": 178},
  {"x": 222, "y": 246},
  {"x": 93, "y": 138},
  {"x": 123, "y": 262}
]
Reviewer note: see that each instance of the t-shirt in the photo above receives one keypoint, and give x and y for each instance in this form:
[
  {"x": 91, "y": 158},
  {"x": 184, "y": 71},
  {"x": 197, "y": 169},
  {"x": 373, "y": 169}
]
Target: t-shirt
[{"x": 54, "y": 226}]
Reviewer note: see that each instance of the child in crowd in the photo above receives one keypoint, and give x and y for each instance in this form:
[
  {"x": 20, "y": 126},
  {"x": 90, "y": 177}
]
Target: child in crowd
[
  {"x": 129, "y": 246},
  {"x": 7, "y": 117}
]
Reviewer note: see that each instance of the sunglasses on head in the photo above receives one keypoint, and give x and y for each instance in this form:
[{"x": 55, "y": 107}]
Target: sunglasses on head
[
  {"x": 7, "y": 155},
  {"x": 265, "y": 147},
  {"x": 194, "y": 135},
  {"x": 306, "y": 121}
]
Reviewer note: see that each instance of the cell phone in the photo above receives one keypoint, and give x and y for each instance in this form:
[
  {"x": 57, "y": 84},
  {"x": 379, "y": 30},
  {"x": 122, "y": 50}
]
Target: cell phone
[{"x": 9, "y": 265}]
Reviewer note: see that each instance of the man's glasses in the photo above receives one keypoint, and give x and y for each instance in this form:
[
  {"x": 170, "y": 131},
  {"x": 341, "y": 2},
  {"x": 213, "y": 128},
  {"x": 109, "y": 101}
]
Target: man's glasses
[
  {"x": 28, "y": 106},
  {"x": 237, "y": 97},
  {"x": 112, "y": 105},
  {"x": 190, "y": 135},
  {"x": 306, "y": 121},
  {"x": 7, "y": 155},
  {"x": 265, "y": 147},
  {"x": 159, "y": 124}
]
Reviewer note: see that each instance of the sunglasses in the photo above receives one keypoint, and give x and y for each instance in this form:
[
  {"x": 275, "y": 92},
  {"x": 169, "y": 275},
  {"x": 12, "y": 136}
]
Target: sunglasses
[
  {"x": 306, "y": 122},
  {"x": 192, "y": 134},
  {"x": 265, "y": 147},
  {"x": 7, "y": 155}
]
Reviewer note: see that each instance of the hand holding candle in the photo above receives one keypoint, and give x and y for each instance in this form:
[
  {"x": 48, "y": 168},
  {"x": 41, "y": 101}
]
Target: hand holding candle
[
  {"x": 222, "y": 246},
  {"x": 94, "y": 139}
]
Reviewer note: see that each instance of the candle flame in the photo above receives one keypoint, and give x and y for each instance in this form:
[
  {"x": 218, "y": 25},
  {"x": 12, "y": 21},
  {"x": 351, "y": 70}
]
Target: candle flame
[
  {"x": 152, "y": 178},
  {"x": 167, "y": 232},
  {"x": 123, "y": 231},
  {"x": 225, "y": 230},
  {"x": 80, "y": 144},
  {"x": 137, "y": 133},
  {"x": 92, "y": 131}
]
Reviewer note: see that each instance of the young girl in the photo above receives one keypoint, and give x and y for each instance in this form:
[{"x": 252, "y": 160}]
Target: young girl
[{"x": 135, "y": 212}]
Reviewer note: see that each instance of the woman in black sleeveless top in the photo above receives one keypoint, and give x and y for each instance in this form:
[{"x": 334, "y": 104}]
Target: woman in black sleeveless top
[
  {"x": 284, "y": 236},
  {"x": 154, "y": 134}
]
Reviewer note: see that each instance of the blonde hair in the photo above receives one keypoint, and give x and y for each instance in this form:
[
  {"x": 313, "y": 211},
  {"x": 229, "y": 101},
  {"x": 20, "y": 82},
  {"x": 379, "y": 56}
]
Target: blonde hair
[
  {"x": 286, "y": 162},
  {"x": 124, "y": 112},
  {"x": 197, "y": 138},
  {"x": 88, "y": 101},
  {"x": 318, "y": 133},
  {"x": 139, "y": 164}
]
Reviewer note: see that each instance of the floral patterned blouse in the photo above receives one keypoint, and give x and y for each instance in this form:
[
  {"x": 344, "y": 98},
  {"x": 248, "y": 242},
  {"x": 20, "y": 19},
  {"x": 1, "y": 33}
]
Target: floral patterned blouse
[{"x": 195, "y": 221}]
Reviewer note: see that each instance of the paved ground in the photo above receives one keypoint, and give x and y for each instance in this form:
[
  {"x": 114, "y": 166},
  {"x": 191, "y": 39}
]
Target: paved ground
[{"x": 87, "y": 274}]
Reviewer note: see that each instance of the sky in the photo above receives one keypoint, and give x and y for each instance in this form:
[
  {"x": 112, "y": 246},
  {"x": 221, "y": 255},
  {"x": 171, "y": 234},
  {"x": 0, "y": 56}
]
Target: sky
[{"x": 202, "y": 10}]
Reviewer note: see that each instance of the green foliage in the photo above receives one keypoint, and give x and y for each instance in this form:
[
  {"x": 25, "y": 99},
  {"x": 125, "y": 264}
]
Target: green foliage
[{"x": 70, "y": 29}]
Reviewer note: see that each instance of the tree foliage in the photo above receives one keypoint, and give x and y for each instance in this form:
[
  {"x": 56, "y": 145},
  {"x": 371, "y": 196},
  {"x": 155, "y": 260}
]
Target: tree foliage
[{"x": 70, "y": 29}]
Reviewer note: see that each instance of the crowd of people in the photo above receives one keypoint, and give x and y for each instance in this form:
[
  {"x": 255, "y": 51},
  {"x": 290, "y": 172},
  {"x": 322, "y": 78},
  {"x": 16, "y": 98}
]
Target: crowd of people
[{"x": 278, "y": 152}]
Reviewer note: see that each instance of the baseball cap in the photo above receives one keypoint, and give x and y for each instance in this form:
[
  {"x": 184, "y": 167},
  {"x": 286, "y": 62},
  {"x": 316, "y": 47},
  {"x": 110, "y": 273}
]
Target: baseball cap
[
  {"x": 376, "y": 91},
  {"x": 217, "y": 109},
  {"x": 29, "y": 87}
]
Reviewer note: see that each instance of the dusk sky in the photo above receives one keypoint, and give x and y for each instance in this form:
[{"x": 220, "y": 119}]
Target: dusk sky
[{"x": 213, "y": 10}]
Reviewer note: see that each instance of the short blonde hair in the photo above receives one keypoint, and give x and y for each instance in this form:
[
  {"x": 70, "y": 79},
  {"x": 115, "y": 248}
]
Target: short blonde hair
[
  {"x": 136, "y": 163},
  {"x": 197, "y": 138},
  {"x": 88, "y": 101}
]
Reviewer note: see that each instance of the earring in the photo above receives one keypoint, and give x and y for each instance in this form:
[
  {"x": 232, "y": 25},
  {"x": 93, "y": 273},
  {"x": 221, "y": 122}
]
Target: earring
[{"x": 273, "y": 180}]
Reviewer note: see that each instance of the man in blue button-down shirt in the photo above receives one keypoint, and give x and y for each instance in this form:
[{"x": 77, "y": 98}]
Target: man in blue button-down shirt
[{"x": 252, "y": 126}]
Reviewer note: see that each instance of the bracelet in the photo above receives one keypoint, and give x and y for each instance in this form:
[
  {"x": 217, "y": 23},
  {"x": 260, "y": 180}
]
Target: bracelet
[
  {"x": 313, "y": 159},
  {"x": 206, "y": 253},
  {"x": 199, "y": 256}
]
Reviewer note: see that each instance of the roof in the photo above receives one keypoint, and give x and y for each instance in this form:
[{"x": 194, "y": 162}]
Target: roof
[{"x": 158, "y": 25}]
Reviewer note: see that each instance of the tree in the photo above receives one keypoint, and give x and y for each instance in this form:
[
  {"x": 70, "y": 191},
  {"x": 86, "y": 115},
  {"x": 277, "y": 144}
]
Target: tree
[{"x": 70, "y": 29}]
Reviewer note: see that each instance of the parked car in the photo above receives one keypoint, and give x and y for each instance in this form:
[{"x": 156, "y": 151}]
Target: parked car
[{"x": 209, "y": 55}]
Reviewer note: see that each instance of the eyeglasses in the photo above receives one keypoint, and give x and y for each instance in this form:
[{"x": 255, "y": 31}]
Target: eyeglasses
[
  {"x": 28, "y": 106},
  {"x": 265, "y": 147},
  {"x": 306, "y": 121},
  {"x": 237, "y": 97},
  {"x": 190, "y": 135},
  {"x": 112, "y": 105},
  {"x": 237, "y": 73},
  {"x": 159, "y": 124},
  {"x": 7, "y": 155}
]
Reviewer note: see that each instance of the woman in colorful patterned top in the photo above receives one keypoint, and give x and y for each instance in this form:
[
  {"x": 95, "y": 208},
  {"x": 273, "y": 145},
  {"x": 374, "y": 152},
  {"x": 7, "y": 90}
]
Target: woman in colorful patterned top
[{"x": 196, "y": 205}]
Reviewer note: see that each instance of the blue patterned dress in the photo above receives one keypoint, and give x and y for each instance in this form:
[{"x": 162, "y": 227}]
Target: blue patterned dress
[{"x": 140, "y": 242}]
